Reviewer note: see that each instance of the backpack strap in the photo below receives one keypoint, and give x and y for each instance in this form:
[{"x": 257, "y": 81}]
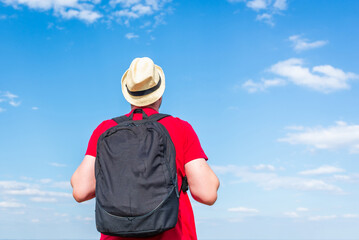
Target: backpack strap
[
  {"x": 159, "y": 116},
  {"x": 184, "y": 186},
  {"x": 121, "y": 119},
  {"x": 154, "y": 117},
  {"x": 139, "y": 110}
]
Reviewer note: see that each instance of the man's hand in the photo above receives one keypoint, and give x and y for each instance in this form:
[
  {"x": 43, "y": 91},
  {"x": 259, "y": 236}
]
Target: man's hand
[
  {"x": 202, "y": 181},
  {"x": 83, "y": 180}
]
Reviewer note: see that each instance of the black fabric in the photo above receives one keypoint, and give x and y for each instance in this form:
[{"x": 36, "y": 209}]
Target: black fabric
[
  {"x": 151, "y": 224},
  {"x": 138, "y": 110},
  {"x": 136, "y": 178},
  {"x": 157, "y": 117},
  {"x": 184, "y": 186},
  {"x": 144, "y": 92},
  {"x": 120, "y": 119}
]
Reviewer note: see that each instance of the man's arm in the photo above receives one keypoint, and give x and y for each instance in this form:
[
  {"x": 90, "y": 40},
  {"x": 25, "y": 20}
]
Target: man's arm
[
  {"x": 202, "y": 181},
  {"x": 83, "y": 180}
]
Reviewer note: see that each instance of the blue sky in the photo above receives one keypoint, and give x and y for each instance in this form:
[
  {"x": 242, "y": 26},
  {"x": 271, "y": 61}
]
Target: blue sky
[{"x": 270, "y": 86}]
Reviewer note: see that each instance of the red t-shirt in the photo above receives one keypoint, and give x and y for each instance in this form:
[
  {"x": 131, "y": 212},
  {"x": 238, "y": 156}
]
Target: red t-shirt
[{"x": 188, "y": 148}]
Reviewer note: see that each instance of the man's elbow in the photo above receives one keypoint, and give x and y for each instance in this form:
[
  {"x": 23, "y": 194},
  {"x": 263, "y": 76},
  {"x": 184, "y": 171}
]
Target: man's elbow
[
  {"x": 81, "y": 195},
  {"x": 206, "y": 197},
  {"x": 210, "y": 200},
  {"x": 206, "y": 194},
  {"x": 77, "y": 195},
  {"x": 211, "y": 196}
]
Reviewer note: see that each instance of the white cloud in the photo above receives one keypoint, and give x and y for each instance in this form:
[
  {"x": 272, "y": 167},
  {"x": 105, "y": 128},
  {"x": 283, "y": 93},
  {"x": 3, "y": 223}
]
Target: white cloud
[
  {"x": 234, "y": 220},
  {"x": 350, "y": 178},
  {"x": 2, "y": 110},
  {"x": 84, "y": 218},
  {"x": 350, "y": 215},
  {"x": 65, "y": 8},
  {"x": 9, "y": 95},
  {"x": 13, "y": 185},
  {"x": 62, "y": 185},
  {"x": 45, "y": 180},
  {"x": 54, "y": 164},
  {"x": 93, "y": 10},
  {"x": 266, "y": 9},
  {"x": 29, "y": 189},
  {"x": 342, "y": 177},
  {"x": 61, "y": 214},
  {"x": 142, "y": 9},
  {"x": 14, "y": 103},
  {"x": 270, "y": 181},
  {"x": 35, "y": 220},
  {"x": 43, "y": 199},
  {"x": 322, "y": 170},
  {"x": 321, "y": 218},
  {"x": 18, "y": 212},
  {"x": 9, "y": 98},
  {"x": 280, "y": 4},
  {"x": 340, "y": 135},
  {"x": 86, "y": 15},
  {"x": 243, "y": 210},
  {"x": 37, "y": 192},
  {"x": 302, "y": 209},
  {"x": 131, "y": 36},
  {"x": 156, "y": 4},
  {"x": 266, "y": 17},
  {"x": 301, "y": 44},
  {"x": 133, "y": 9},
  {"x": 295, "y": 128},
  {"x": 264, "y": 167},
  {"x": 302, "y": 184},
  {"x": 9, "y": 204},
  {"x": 159, "y": 20},
  {"x": 291, "y": 214},
  {"x": 26, "y": 178},
  {"x": 146, "y": 24},
  {"x": 124, "y": 3},
  {"x": 257, "y": 4},
  {"x": 253, "y": 87},
  {"x": 235, "y": 1},
  {"x": 126, "y": 13},
  {"x": 323, "y": 78},
  {"x": 35, "y": 108},
  {"x": 51, "y": 25}
]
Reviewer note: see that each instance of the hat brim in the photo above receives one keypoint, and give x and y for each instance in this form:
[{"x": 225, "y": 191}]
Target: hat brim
[{"x": 148, "y": 99}]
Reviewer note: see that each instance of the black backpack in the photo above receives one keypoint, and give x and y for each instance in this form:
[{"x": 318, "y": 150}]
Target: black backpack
[{"x": 136, "y": 178}]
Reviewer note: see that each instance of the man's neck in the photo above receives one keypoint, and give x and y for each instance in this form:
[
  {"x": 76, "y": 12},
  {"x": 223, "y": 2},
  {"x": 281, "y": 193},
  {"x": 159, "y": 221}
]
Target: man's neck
[{"x": 154, "y": 108}]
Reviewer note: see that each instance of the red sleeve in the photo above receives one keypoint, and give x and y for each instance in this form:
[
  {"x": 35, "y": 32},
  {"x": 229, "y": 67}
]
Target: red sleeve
[
  {"x": 92, "y": 145},
  {"x": 192, "y": 146}
]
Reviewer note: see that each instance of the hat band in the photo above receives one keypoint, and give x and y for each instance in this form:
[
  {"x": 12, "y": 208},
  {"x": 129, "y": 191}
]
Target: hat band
[{"x": 144, "y": 92}]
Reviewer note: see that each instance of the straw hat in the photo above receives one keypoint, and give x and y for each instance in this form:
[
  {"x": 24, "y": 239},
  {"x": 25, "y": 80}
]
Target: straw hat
[{"x": 143, "y": 83}]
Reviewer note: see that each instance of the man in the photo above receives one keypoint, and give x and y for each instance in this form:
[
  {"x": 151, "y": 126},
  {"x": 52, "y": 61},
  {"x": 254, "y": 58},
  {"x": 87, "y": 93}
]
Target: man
[{"x": 143, "y": 85}]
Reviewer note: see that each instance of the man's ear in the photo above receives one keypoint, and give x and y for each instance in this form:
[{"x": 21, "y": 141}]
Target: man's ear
[{"x": 160, "y": 102}]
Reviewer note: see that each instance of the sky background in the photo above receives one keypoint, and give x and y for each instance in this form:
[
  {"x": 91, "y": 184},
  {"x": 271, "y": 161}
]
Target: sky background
[{"x": 270, "y": 86}]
